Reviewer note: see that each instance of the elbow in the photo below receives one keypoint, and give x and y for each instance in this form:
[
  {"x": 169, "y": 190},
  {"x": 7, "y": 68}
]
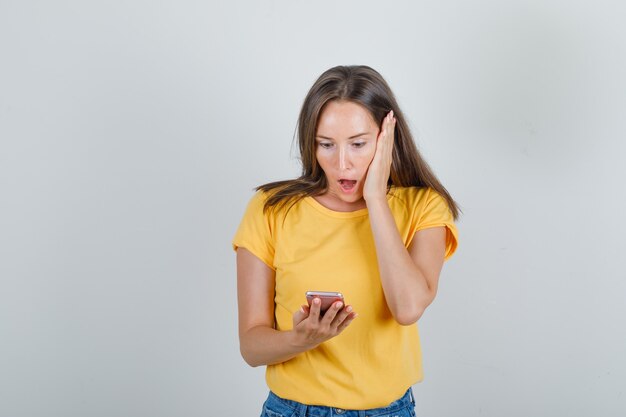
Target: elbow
[
  {"x": 408, "y": 317},
  {"x": 249, "y": 359},
  {"x": 411, "y": 313}
]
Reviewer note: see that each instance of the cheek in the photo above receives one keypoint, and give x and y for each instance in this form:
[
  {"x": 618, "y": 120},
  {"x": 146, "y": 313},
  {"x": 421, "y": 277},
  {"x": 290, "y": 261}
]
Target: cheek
[
  {"x": 368, "y": 155},
  {"x": 322, "y": 160},
  {"x": 363, "y": 163}
]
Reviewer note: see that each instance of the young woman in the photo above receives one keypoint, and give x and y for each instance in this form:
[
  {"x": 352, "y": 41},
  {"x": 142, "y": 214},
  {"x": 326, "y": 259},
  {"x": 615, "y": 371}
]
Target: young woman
[{"x": 367, "y": 218}]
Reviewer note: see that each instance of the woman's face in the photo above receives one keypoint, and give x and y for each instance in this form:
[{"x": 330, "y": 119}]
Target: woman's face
[{"x": 345, "y": 146}]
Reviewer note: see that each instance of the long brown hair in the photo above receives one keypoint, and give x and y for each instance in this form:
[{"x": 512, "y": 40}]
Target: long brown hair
[{"x": 365, "y": 86}]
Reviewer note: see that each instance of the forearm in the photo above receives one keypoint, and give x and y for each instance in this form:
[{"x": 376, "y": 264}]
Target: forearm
[
  {"x": 405, "y": 287},
  {"x": 262, "y": 345}
]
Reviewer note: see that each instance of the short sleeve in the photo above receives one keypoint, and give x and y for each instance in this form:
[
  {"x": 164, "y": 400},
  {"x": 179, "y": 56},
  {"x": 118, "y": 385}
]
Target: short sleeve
[
  {"x": 255, "y": 231},
  {"x": 436, "y": 212}
]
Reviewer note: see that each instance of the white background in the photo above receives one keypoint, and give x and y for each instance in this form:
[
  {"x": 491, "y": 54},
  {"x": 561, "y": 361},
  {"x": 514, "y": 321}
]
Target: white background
[{"x": 131, "y": 136}]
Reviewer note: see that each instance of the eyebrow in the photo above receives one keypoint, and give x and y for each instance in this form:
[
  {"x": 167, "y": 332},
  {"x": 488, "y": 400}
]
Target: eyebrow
[{"x": 351, "y": 137}]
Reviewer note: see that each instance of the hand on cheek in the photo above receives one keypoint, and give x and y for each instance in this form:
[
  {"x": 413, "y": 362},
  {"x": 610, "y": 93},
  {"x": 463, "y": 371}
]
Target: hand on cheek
[{"x": 380, "y": 167}]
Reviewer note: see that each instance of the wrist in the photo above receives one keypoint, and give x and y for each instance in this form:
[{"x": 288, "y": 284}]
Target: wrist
[
  {"x": 375, "y": 200},
  {"x": 295, "y": 341}
]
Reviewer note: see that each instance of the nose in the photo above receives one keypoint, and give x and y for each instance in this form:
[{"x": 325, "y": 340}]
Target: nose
[{"x": 344, "y": 160}]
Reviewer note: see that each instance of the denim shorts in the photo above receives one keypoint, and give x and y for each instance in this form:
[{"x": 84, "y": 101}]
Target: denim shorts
[{"x": 276, "y": 406}]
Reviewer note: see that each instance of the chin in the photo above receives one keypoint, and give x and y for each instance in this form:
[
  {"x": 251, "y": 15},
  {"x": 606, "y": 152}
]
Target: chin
[{"x": 351, "y": 198}]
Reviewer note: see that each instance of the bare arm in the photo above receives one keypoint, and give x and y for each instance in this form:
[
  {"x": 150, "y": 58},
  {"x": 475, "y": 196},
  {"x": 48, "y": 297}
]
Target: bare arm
[
  {"x": 409, "y": 276},
  {"x": 260, "y": 343}
]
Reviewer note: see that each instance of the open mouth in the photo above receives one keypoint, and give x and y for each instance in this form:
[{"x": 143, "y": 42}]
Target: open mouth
[{"x": 347, "y": 185}]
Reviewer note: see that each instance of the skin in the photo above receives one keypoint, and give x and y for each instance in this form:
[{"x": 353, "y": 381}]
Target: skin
[
  {"x": 342, "y": 154},
  {"x": 409, "y": 277}
]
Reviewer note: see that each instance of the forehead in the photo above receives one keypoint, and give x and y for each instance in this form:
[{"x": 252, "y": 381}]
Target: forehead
[{"x": 345, "y": 118}]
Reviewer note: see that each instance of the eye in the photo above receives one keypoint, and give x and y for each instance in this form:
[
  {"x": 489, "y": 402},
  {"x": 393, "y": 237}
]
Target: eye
[
  {"x": 325, "y": 145},
  {"x": 358, "y": 144}
]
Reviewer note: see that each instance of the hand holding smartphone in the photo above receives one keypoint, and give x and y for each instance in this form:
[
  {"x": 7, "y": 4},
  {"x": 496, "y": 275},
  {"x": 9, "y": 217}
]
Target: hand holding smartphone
[{"x": 309, "y": 330}]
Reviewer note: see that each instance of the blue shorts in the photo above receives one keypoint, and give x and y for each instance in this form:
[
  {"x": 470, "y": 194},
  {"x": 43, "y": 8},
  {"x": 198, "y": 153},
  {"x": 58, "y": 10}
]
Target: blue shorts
[{"x": 276, "y": 406}]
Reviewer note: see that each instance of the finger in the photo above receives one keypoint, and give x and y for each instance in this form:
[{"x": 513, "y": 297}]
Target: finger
[
  {"x": 341, "y": 316},
  {"x": 387, "y": 125},
  {"x": 299, "y": 316},
  {"x": 347, "y": 322},
  {"x": 383, "y": 127},
  {"x": 389, "y": 116},
  {"x": 391, "y": 123},
  {"x": 315, "y": 309},
  {"x": 390, "y": 130},
  {"x": 332, "y": 311}
]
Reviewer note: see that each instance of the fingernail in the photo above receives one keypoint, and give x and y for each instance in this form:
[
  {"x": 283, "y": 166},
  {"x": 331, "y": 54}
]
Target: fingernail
[
  {"x": 391, "y": 112},
  {"x": 316, "y": 301},
  {"x": 339, "y": 305},
  {"x": 349, "y": 309}
]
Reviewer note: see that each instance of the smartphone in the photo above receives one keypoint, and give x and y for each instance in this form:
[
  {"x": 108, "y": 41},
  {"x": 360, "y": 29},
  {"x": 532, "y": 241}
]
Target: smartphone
[{"x": 326, "y": 297}]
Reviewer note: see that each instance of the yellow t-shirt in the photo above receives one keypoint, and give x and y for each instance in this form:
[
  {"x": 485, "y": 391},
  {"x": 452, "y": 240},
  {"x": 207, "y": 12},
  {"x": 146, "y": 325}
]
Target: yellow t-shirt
[{"x": 375, "y": 359}]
